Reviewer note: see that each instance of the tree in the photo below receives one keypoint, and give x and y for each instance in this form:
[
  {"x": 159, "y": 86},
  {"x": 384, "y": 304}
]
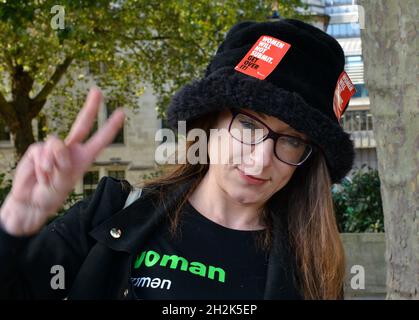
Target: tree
[
  {"x": 358, "y": 203},
  {"x": 390, "y": 52},
  {"x": 45, "y": 49}
]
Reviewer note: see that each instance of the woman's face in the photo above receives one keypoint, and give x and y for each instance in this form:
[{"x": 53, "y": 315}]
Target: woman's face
[{"x": 252, "y": 174}]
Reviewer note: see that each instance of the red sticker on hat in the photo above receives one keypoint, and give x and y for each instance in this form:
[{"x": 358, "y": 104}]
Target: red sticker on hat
[
  {"x": 263, "y": 57},
  {"x": 343, "y": 92}
]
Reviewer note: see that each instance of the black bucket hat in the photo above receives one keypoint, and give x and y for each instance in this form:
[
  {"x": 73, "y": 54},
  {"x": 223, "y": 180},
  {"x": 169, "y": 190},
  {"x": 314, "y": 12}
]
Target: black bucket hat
[{"x": 299, "y": 90}]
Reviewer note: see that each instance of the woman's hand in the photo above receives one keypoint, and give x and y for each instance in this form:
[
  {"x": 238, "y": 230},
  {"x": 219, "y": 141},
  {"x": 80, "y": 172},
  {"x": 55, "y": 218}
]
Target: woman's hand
[{"x": 49, "y": 170}]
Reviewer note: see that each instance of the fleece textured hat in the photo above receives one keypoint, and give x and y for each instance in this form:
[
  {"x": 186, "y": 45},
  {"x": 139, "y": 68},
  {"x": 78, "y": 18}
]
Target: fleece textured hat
[{"x": 300, "y": 89}]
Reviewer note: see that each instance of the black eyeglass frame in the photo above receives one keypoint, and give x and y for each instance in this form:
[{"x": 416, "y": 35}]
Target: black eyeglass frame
[{"x": 271, "y": 134}]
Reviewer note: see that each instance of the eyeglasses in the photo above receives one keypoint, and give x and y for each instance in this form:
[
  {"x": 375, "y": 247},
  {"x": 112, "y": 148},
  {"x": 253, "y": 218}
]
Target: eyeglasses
[{"x": 249, "y": 130}]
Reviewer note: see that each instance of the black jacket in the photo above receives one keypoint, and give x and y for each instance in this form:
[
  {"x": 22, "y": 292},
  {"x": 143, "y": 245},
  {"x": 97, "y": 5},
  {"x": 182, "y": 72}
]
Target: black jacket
[{"x": 96, "y": 262}]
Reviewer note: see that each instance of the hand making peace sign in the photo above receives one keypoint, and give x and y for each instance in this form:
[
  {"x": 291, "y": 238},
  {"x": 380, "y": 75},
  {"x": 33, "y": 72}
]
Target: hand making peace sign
[{"x": 49, "y": 170}]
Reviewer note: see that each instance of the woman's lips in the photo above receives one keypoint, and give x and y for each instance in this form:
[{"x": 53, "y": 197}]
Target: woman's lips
[{"x": 251, "y": 179}]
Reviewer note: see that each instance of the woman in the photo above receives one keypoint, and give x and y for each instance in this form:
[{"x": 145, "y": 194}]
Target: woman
[{"x": 262, "y": 228}]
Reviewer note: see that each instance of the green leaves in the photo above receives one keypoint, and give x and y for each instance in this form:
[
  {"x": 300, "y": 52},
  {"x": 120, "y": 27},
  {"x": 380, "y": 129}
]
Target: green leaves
[
  {"x": 358, "y": 203},
  {"x": 165, "y": 44}
]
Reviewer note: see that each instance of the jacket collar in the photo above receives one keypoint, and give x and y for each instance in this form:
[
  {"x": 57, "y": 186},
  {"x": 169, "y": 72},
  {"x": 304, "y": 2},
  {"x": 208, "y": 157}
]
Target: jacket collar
[
  {"x": 138, "y": 221},
  {"x": 135, "y": 223}
]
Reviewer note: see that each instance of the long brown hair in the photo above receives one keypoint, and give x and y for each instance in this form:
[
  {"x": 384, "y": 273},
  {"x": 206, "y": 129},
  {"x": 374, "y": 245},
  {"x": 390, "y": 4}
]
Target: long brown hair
[{"x": 312, "y": 229}]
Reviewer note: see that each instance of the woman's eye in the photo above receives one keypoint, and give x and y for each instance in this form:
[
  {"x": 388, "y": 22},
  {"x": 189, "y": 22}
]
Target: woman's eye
[
  {"x": 293, "y": 142},
  {"x": 248, "y": 124}
]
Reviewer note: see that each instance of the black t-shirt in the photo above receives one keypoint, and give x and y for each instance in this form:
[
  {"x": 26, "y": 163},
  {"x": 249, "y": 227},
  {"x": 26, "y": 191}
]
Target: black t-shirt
[{"x": 205, "y": 261}]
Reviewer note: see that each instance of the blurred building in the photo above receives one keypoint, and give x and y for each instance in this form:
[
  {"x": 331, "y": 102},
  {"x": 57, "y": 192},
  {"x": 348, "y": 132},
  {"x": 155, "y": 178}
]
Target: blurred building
[
  {"x": 130, "y": 156},
  {"x": 344, "y": 20}
]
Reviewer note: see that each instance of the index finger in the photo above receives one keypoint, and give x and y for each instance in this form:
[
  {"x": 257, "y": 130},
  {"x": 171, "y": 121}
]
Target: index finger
[
  {"x": 105, "y": 135},
  {"x": 85, "y": 118}
]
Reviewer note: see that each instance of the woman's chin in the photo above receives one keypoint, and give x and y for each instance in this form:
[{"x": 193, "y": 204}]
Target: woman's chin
[{"x": 245, "y": 196}]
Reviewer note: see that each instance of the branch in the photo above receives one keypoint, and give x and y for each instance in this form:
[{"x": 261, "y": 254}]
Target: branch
[
  {"x": 6, "y": 109},
  {"x": 203, "y": 52},
  {"x": 8, "y": 61},
  {"x": 157, "y": 38},
  {"x": 187, "y": 41},
  {"x": 134, "y": 49},
  {"x": 52, "y": 82},
  {"x": 128, "y": 38}
]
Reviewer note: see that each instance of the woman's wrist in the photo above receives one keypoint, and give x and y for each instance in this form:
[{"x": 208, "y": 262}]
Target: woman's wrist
[{"x": 12, "y": 218}]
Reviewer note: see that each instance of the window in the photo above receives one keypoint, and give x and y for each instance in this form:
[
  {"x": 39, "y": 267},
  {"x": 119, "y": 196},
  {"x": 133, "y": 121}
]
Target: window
[
  {"x": 97, "y": 67},
  {"x": 369, "y": 121},
  {"x": 344, "y": 30},
  {"x": 117, "y": 174},
  {"x": 110, "y": 107},
  {"x": 361, "y": 91},
  {"x": 353, "y": 60},
  {"x": 360, "y": 120},
  {"x": 340, "y": 9},
  {"x": 339, "y": 2},
  {"x": 90, "y": 181}
]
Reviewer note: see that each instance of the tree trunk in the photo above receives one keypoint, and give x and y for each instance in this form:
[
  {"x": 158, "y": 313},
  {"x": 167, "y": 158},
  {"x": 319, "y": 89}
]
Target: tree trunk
[
  {"x": 22, "y": 137},
  {"x": 19, "y": 112},
  {"x": 390, "y": 55}
]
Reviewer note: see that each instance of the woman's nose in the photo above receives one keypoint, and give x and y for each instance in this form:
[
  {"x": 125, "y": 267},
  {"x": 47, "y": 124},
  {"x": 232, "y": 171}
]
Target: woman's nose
[{"x": 262, "y": 155}]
